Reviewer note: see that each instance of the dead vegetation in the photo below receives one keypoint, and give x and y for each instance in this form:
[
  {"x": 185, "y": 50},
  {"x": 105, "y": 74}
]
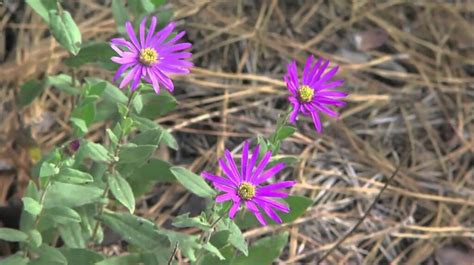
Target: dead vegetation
[{"x": 408, "y": 67}]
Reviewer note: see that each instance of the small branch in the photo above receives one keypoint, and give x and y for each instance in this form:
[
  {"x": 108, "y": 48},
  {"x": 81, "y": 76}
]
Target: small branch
[
  {"x": 112, "y": 166},
  {"x": 173, "y": 254},
  {"x": 342, "y": 239}
]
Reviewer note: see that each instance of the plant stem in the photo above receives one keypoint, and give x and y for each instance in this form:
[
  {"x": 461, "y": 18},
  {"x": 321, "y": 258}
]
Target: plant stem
[
  {"x": 281, "y": 122},
  {"x": 105, "y": 194},
  {"x": 40, "y": 215},
  {"x": 204, "y": 240},
  {"x": 359, "y": 222}
]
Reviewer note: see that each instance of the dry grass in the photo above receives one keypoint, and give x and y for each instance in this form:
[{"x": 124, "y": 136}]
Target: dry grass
[{"x": 408, "y": 65}]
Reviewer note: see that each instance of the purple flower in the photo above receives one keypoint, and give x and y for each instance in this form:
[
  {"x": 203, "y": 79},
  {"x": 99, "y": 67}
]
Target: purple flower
[
  {"x": 152, "y": 57},
  {"x": 245, "y": 187},
  {"x": 314, "y": 93},
  {"x": 74, "y": 145}
]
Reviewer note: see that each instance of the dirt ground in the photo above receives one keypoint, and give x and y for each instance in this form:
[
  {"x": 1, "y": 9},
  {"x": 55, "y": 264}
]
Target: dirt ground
[{"x": 409, "y": 69}]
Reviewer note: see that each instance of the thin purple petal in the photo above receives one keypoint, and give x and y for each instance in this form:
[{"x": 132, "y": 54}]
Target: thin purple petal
[
  {"x": 254, "y": 209},
  {"x": 263, "y": 163},
  {"x": 270, "y": 173},
  {"x": 235, "y": 207}
]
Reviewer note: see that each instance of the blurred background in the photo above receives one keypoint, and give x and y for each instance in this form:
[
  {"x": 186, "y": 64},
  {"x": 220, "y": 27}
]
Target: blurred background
[{"x": 409, "y": 69}]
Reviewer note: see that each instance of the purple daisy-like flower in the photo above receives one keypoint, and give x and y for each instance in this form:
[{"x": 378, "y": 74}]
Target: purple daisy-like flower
[
  {"x": 314, "y": 93},
  {"x": 246, "y": 187},
  {"x": 152, "y": 57}
]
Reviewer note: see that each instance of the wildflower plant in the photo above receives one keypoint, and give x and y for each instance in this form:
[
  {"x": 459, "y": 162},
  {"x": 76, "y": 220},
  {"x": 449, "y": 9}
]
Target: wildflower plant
[{"x": 78, "y": 187}]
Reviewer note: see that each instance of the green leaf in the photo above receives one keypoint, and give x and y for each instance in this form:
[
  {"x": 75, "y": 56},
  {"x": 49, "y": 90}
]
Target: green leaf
[
  {"x": 152, "y": 136},
  {"x": 32, "y": 206},
  {"x": 147, "y": 124},
  {"x": 142, "y": 177},
  {"x": 65, "y": 30},
  {"x": 187, "y": 243},
  {"x": 157, "y": 105},
  {"x": 91, "y": 53},
  {"x": 95, "y": 151},
  {"x": 212, "y": 249},
  {"x": 79, "y": 256},
  {"x": 285, "y": 132},
  {"x": 132, "y": 153},
  {"x": 48, "y": 170},
  {"x": 72, "y": 235},
  {"x": 80, "y": 125},
  {"x": 135, "y": 230},
  {"x": 220, "y": 238},
  {"x": 12, "y": 235},
  {"x": 138, "y": 103},
  {"x": 158, "y": 3},
  {"x": 71, "y": 195},
  {"x": 62, "y": 215},
  {"x": 112, "y": 137},
  {"x": 298, "y": 206},
  {"x": 29, "y": 91},
  {"x": 264, "y": 251},
  {"x": 111, "y": 93},
  {"x": 127, "y": 125},
  {"x": 193, "y": 182},
  {"x": 237, "y": 239},
  {"x": 121, "y": 260},
  {"x": 120, "y": 14},
  {"x": 287, "y": 159},
  {"x": 64, "y": 83},
  {"x": 74, "y": 176},
  {"x": 85, "y": 112},
  {"x": 16, "y": 259},
  {"x": 197, "y": 221},
  {"x": 122, "y": 191},
  {"x": 49, "y": 256},
  {"x": 36, "y": 238},
  {"x": 42, "y": 7}
]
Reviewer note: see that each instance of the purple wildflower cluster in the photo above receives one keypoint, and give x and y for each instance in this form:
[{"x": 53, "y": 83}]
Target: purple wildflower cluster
[
  {"x": 314, "y": 93},
  {"x": 154, "y": 56},
  {"x": 246, "y": 187}
]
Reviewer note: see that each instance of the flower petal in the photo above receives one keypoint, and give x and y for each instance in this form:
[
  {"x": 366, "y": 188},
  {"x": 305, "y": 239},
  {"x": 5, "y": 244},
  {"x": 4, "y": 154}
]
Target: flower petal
[
  {"x": 316, "y": 121},
  {"x": 294, "y": 112},
  {"x": 230, "y": 161},
  {"x": 244, "y": 160},
  {"x": 161, "y": 35},
  {"x": 131, "y": 34},
  {"x": 307, "y": 68},
  {"x": 254, "y": 209},
  {"x": 142, "y": 32},
  {"x": 261, "y": 166},
  {"x": 154, "y": 80},
  {"x": 217, "y": 179},
  {"x": 253, "y": 161},
  {"x": 272, "y": 214},
  {"x": 225, "y": 197},
  {"x": 151, "y": 31},
  {"x": 230, "y": 174},
  {"x": 136, "y": 78},
  {"x": 128, "y": 77},
  {"x": 235, "y": 207},
  {"x": 269, "y": 173},
  {"x": 277, "y": 186},
  {"x": 274, "y": 204}
]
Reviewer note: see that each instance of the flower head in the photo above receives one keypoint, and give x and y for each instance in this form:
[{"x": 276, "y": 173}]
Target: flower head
[
  {"x": 246, "y": 187},
  {"x": 152, "y": 57},
  {"x": 313, "y": 93}
]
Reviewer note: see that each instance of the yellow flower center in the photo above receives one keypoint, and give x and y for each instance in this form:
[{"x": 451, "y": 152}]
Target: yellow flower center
[
  {"x": 148, "y": 56},
  {"x": 246, "y": 191},
  {"x": 306, "y": 93}
]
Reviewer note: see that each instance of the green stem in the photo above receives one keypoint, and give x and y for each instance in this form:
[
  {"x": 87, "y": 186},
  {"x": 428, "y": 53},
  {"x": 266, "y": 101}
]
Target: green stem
[
  {"x": 40, "y": 215},
  {"x": 281, "y": 122},
  {"x": 112, "y": 166},
  {"x": 204, "y": 239}
]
